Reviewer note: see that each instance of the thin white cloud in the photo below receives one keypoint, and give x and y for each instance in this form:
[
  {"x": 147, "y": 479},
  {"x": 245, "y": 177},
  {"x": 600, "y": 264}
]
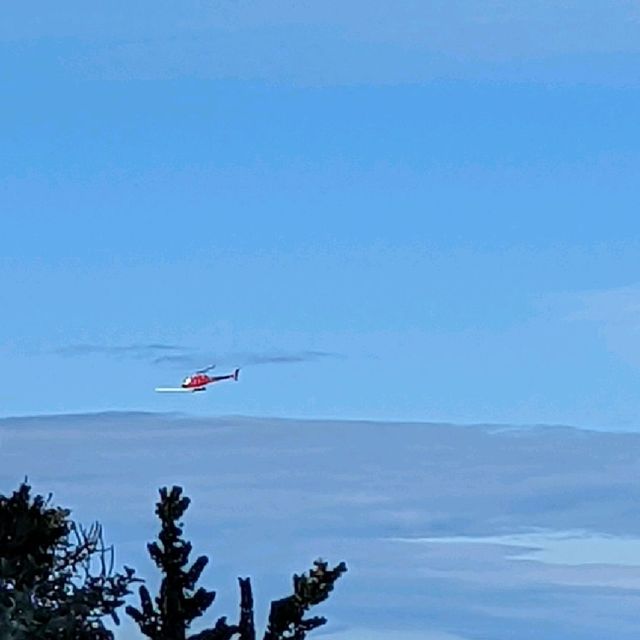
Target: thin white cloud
[
  {"x": 614, "y": 315},
  {"x": 491, "y": 28},
  {"x": 385, "y": 634},
  {"x": 333, "y": 42},
  {"x": 554, "y": 547}
]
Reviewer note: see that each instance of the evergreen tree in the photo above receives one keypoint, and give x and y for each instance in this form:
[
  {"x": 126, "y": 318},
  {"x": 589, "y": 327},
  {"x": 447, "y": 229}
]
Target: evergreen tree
[
  {"x": 286, "y": 618},
  {"x": 179, "y": 603},
  {"x": 56, "y": 577}
]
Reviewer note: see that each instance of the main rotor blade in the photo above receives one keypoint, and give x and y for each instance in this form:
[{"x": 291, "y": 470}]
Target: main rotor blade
[{"x": 211, "y": 366}]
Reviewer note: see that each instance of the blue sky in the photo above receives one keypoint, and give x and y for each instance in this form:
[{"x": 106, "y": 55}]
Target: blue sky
[
  {"x": 439, "y": 197},
  {"x": 408, "y": 212}
]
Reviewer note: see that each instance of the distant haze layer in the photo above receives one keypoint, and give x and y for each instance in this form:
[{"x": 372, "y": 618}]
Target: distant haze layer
[{"x": 449, "y": 532}]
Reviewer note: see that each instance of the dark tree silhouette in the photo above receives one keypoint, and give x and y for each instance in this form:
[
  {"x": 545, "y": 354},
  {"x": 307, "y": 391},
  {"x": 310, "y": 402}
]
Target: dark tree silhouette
[
  {"x": 179, "y": 603},
  {"x": 286, "y": 618},
  {"x": 56, "y": 577}
]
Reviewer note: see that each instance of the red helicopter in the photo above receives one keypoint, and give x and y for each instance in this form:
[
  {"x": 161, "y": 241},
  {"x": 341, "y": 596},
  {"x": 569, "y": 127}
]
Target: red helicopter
[{"x": 199, "y": 381}]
